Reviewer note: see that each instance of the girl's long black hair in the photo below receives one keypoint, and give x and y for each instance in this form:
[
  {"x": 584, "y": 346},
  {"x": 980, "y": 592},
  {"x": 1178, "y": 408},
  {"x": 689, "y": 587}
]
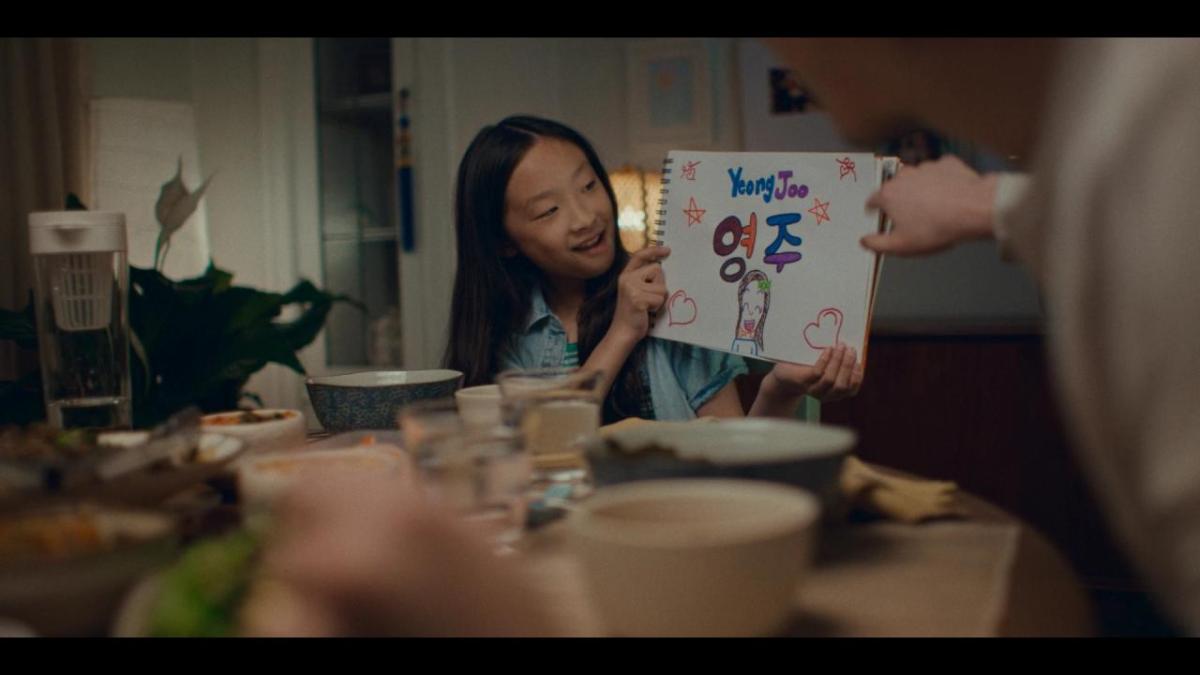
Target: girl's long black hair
[{"x": 491, "y": 301}]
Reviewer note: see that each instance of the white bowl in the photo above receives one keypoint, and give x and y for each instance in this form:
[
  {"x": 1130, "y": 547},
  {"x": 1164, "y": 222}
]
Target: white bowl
[
  {"x": 479, "y": 406},
  {"x": 266, "y": 436},
  {"x": 695, "y": 557},
  {"x": 262, "y": 479}
]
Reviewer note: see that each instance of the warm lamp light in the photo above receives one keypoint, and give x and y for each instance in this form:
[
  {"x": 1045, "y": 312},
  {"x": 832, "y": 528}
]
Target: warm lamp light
[{"x": 637, "y": 194}]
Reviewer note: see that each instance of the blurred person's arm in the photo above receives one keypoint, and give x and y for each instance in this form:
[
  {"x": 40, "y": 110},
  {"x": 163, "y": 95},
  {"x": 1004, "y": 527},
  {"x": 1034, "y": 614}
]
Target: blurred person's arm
[
  {"x": 937, "y": 205},
  {"x": 356, "y": 557}
]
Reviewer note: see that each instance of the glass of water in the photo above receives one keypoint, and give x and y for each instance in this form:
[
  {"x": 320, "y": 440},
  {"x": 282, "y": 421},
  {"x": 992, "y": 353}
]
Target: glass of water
[
  {"x": 426, "y": 418},
  {"x": 482, "y": 474},
  {"x": 556, "y": 411}
]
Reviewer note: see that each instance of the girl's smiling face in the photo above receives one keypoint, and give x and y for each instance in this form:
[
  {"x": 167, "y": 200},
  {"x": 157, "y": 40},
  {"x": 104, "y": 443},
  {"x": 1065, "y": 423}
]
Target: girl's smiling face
[{"x": 558, "y": 214}]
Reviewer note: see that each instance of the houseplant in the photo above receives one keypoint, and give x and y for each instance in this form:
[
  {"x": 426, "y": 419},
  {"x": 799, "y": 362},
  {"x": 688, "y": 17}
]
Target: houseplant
[{"x": 195, "y": 341}]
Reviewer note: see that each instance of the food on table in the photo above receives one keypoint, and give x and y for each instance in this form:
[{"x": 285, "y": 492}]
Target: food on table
[
  {"x": 67, "y": 532},
  {"x": 249, "y": 417},
  {"x": 202, "y": 594},
  {"x": 122, "y": 439},
  {"x": 262, "y": 430},
  {"x": 127, "y": 467},
  {"x": 40, "y": 441},
  {"x": 51, "y": 536}
]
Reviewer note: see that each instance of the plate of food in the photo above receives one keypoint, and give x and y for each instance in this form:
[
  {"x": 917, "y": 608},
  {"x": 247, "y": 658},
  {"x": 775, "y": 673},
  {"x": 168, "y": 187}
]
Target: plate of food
[
  {"x": 64, "y": 569},
  {"x": 131, "y": 468},
  {"x": 263, "y": 430}
]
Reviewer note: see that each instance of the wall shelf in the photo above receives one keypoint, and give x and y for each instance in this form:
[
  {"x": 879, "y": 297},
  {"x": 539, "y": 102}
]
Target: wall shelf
[{"x": 356, "y": 176}]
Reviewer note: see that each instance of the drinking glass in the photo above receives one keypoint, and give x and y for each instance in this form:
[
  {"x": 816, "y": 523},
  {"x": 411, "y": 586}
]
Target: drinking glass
[
  {"x": 482, "y": 474},
  {"x": 556, "y": 411},
  {"x": 422, "y": 419}
]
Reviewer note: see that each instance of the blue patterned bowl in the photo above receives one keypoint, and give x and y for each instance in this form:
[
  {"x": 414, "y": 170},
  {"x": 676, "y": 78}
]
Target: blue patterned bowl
[{"x": 371, "y": 400}]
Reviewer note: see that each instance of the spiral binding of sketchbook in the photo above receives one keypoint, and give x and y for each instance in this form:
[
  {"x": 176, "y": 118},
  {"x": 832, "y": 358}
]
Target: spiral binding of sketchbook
[{"x": 660, "y": 223}]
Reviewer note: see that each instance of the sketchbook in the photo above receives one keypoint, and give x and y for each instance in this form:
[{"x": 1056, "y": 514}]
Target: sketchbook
[{"x": 765, "y": 255}]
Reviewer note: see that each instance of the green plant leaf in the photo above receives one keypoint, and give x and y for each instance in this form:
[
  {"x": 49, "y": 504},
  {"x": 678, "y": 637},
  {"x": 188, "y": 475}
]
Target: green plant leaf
[
  {"x": 19, "y": 327},
  {"x": 248, "y": 307},
  {"x": 21, "y": 401},
  {"x": 205, "y": 337},
  {"x": 221, "y": 279},
  {"x": 139, "y": 351}
]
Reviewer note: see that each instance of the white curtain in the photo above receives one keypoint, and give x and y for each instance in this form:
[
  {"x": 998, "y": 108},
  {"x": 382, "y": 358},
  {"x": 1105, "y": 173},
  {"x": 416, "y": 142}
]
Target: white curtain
[{"x": 43, "y": 155}]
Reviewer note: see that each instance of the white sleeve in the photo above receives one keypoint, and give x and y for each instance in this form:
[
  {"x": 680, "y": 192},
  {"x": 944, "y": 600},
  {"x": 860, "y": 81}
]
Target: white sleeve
[{"x": 1010, "y": 192}]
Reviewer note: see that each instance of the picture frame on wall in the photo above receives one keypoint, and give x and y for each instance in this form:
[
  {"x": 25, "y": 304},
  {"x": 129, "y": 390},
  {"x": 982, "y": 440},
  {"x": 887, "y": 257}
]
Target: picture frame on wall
[
  {"x": 670, "y": 94},
  {"x": 777, "y": 112}
]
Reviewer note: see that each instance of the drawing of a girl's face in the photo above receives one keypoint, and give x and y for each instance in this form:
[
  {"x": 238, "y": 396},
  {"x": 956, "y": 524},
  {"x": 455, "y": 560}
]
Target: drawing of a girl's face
[
  {"x": 754, "y": 298},
  {"x": 753, "y": 303},
  {"x": 751, "y": 313}
]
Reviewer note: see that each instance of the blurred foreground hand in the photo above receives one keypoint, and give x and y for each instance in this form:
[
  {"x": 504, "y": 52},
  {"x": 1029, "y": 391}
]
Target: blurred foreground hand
[{"x": 372, "y": 557}]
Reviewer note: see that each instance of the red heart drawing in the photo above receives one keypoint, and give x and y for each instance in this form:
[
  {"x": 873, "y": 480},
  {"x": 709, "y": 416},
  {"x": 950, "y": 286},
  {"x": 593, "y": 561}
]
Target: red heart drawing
[
  {"x": 824, "y": 332},
  {"x": 677, "y": 312}
]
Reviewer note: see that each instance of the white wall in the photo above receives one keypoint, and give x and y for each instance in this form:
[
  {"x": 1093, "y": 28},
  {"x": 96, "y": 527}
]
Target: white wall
[
  {"x": 154, "y": 68},
  {"x": 222, "y": 78}
]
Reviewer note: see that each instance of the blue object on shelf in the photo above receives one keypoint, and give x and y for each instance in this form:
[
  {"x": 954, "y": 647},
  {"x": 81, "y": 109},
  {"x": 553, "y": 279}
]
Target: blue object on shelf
[{"x": 404, "y": 175}]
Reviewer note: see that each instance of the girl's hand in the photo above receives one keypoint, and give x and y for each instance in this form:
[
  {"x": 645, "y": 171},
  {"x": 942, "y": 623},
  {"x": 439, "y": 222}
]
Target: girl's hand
[
  {"x": 836, "y": 375},
  {"x": 641, "y": 289}
]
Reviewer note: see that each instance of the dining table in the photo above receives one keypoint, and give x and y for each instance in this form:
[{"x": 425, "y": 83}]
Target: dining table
[{"x": 982, "y": 573}]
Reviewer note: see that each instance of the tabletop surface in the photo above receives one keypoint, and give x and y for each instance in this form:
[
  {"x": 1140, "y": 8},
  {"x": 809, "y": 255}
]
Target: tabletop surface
[{"x": 983, "y": 575}]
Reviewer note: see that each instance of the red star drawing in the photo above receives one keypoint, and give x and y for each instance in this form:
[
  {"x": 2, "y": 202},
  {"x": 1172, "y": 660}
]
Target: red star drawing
[
  {"x": 694, "y": 213},
  {"x": 819, "y": 210},
  {"x": 847, "y": 168},
  {"x": 689, "y": 170}
]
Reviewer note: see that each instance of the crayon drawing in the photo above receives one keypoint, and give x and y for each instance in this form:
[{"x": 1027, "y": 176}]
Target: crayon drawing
[
  {"x": 846, "y": 168},
  {"x": 754, "y": 299},
  {"x": 694, "y": 212},
  {"x": 773, "y": 255},
  {"x": 681, "y": 310},
  {"x": 768, "y": 233},
  {"x": 826, "y": 330},
  {"x": 820, "y": 210}
]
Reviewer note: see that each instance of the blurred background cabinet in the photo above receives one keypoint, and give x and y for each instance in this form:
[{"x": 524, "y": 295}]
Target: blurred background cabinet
[{"x": 356, "y": 173}]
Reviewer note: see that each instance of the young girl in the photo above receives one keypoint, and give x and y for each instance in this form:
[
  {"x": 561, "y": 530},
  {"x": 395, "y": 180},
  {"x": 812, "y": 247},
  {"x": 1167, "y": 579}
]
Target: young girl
[{"x": 543, "y": 281}]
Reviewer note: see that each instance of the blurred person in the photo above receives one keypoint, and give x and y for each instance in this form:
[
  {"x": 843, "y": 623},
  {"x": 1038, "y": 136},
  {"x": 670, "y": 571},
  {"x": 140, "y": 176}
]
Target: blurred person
[
  {"x": 1109, "y": 131},
  {"x": 373, "y": 556}
]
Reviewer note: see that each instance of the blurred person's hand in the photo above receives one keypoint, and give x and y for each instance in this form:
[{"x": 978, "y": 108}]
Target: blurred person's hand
[
  {"x": 373, "y": 557},
  {"x": 933, "y": 206}
]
